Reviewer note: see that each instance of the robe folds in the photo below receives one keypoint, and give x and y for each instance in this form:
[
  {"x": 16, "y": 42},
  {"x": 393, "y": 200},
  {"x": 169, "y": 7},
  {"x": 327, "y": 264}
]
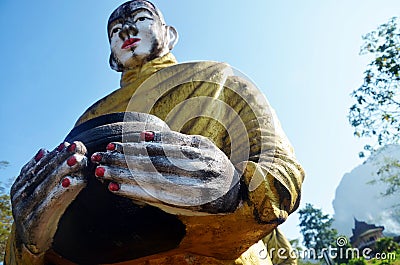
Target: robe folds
[{"x": 211, "y": 99}]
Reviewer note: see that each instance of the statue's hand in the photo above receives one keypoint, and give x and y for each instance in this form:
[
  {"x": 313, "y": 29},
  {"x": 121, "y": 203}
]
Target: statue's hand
[
  {"x": 178, "y": 173},
  {"x": 46, "y": 186}
]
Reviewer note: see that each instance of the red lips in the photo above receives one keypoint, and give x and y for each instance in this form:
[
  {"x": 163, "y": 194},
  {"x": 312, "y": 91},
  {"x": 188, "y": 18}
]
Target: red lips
[{"x": 129, "y": 43}]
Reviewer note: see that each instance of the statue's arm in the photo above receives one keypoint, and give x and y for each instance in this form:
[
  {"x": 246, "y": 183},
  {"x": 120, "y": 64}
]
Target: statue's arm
[
  {"x": 156, "y": 172},
  {"x": 46, "y": 186},
  {"x": 272, "y": 176}
]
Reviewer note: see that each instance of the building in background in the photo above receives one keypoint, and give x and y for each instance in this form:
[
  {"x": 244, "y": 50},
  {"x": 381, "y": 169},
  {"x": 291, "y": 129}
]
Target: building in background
[
  {"x": 365, "y": 235},
  {"x": 357, "y": 198}
]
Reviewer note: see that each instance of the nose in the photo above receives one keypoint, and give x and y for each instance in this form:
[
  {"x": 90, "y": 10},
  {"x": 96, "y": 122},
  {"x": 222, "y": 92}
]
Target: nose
[{"x": 127, "y": 30}]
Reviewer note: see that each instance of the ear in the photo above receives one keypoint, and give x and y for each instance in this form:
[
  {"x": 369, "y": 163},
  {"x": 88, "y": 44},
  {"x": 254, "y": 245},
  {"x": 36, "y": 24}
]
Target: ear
[
  {"x": 115, "y": 64},
  {"x": 172, "y": 37}
]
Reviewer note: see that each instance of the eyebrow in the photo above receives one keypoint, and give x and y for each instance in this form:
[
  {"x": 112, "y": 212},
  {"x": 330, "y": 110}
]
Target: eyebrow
[
  {"x": 120, "y": 20},
  {"x": 112, "y": 25},
  {"x": 140, "y": 10},
  {"x": 117, "y": 21}
]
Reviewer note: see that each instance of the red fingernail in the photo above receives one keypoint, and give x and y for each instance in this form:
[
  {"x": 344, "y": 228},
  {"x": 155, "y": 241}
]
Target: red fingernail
[
  {"x": 61, "y": 147},
  {"x": 113, "y": 186},
  {"x": 147, "y": 136},
  {"x": 72, "y": 148},
  {"x": 100, "y": 172},
  {"x": 96, "y": 158},
  {"x": 39, "y": 155},
  {"x": 71, "y": 161},
  {"x": 66, "y": 182},
  {"x": 111, "y": 147}
]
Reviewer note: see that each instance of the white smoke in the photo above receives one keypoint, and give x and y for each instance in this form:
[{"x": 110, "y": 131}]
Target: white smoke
[{"x": 357, "y": 198}]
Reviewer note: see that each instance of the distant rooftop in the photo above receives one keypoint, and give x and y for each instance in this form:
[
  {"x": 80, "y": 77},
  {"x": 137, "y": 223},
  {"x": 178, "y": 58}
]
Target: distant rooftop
[{"x": 361, "y": 227}]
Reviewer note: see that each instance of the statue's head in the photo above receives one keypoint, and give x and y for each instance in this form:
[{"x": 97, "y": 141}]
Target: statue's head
[{"x": 137, "y": 33}]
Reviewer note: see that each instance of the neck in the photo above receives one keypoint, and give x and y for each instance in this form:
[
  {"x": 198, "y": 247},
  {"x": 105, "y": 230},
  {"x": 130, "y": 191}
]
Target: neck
[{"x": 147, "y": 69}]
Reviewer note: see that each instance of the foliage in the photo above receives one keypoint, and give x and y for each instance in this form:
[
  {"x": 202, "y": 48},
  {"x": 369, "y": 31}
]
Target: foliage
[
  {"x": 357, "y": 261},
  {"x": 376, "y": 112},
  {"x": 295, "y": 243},
  {"x": 386, "y": 245},
  {"x": 342, "y": 248},
  {"x": 307, "y": 262},
  {"x": 389, "y": 173},
  {"x": 316, "y": 228},
  {"x": 5, "y": 216},
  {"x": 5, "y": 222}
]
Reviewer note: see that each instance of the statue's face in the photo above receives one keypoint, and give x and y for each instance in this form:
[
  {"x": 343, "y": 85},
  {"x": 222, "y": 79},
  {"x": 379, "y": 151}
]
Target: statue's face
[{"x": 136, "y": 37}]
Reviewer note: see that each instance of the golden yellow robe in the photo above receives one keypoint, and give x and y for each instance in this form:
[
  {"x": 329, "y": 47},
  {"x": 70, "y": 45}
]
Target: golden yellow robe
[{"x": 233, "y": 238}]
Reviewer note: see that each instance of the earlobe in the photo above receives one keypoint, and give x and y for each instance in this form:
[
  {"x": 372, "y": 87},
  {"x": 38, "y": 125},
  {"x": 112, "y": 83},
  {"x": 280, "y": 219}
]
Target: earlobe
[{"x": 173, "y": 37}]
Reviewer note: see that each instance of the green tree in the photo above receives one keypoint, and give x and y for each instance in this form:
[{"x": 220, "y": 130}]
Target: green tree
[
  {"x": 357, "y": 261},
  {"x": 342, "y": 247},
  {"x": 5, "y": 215},
  {"x": 376, "y": 112},
  {"x": 307, "y": 262},
  {"x": 385, "y": 245},
  {"x": 316, "y": 228},
  {"x": 295, "y": 243},
  {"x": 389, "y": 173}
]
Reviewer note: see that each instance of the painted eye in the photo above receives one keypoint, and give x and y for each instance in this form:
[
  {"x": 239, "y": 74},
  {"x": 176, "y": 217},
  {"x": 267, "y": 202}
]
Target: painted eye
[
  {"x": 115, "y": 30},
  {"x": 141, "y": 19}
]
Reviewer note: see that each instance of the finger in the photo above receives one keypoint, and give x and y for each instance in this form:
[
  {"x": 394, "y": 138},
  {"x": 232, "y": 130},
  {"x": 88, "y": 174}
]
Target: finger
[
  {"x": 109, "y": 158},
  {"x": 71, "y": 166},
  {"x": 43, "y": 163},
  {"x": 121, "y": 177},
  {"x": 152, "y": 157},
  {"x": 167, "y": 157},
  {"x": 67, "y": 186},
  {"x": 28, "y": 195},
  {"x": 160, "y": 193},
  {"x": 46, "y": 165},
  {"x": 165, "y": 137},
  {"x": 176, "y": 138},
  {"x": 147, "y": 185},
  {"x": 59, "y": 154},
  {"x": 132, "y": 192},
  {"x": 133, "y": 150},
  {"x": 43, "y": 156},
  {"x": 46, "y": 159},
  {"x": 27, "y": 170},
  {"x": 116, "y": 174},
  {"x": 23, "y": 200},
  {"x": 150, "y": 178},
  {"x": 45, "y": 216},
  {"x": 174, "y": 203},
  {"x": 163, "y": 149}
]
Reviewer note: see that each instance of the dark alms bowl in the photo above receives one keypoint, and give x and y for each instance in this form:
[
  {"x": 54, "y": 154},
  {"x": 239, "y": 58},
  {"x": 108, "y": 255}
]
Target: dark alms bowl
[{"x": 100, "y": 227}]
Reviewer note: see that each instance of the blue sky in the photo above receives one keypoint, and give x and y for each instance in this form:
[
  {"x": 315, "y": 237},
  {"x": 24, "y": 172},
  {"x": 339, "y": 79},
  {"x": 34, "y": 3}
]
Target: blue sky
[{"x": 302, "y": 54}]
